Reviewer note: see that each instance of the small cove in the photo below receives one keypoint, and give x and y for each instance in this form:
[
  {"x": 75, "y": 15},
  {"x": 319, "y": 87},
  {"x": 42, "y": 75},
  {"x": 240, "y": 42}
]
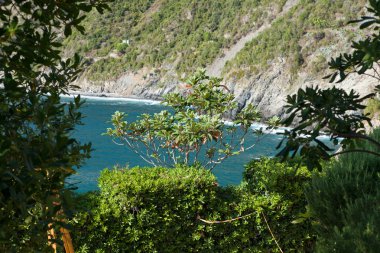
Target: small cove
[{"x": 106, "y": 154}]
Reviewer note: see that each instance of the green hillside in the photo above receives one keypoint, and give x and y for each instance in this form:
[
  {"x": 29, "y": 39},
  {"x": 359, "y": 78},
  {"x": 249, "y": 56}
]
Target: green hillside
[
  {"x": 184, "y": 35},
  {"x": 313, "y": 28}
]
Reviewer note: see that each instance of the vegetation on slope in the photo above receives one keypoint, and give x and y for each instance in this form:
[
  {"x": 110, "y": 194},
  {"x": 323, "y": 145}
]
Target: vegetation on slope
[
  {"x": 373, "y": 107},
  {"x": 308, "y": 29},
  {"x": 182, "y": 35},
  {"x": 185, "y": 35}
]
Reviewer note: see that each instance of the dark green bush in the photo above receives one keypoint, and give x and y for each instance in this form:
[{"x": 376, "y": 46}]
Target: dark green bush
[
  {"x": 157, "y": 210},
  {"x": 281, "y": 185},
  {"x": 345, "y": 203}
]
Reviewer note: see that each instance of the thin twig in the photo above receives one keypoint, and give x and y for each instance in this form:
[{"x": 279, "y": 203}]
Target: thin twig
[
  {"x": 223, "y": 221},
  {"x": 373, "y": 76},
  {"x": 270, "y": 230}
]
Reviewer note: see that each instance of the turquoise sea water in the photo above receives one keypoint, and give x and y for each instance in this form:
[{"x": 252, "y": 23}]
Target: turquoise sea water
[{"x": 106, "y": 154}]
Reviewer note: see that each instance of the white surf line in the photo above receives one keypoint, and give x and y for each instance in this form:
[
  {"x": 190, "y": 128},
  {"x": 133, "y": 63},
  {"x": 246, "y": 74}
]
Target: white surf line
[
  {"x": 254, "y": 126},
  {"x": 110, "y": 98},
  {"x": 215, "y": 69}
]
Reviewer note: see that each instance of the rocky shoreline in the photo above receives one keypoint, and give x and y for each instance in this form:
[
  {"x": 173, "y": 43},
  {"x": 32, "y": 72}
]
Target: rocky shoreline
[{"x": 106, "y": 95}]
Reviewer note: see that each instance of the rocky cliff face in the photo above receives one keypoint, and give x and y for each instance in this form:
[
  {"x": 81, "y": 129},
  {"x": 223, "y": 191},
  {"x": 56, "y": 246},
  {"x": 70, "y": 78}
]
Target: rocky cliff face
[{"x": 267, "y": 88}]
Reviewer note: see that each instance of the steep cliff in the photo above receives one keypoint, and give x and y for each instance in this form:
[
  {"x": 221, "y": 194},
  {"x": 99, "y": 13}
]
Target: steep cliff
[{"x": 263, "y": 49}]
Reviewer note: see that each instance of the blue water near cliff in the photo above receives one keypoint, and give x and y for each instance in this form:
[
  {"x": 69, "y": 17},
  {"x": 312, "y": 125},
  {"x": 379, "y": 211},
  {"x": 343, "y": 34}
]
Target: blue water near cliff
[{"x": 106, "y": 154}]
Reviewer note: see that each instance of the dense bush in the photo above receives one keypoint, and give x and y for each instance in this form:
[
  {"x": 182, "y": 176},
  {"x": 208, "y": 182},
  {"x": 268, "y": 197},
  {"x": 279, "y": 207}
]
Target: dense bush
[
  {"x": 146, "y": 210},
  {"x": 37, "y": 149},
  {"x": 345, "y": 202},
  {"x": 282, "y": 185},
  {"x": 157, "y": 210}
]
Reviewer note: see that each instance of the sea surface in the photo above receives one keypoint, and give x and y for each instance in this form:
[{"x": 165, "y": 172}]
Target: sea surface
[{"x": 107, "y": 154}]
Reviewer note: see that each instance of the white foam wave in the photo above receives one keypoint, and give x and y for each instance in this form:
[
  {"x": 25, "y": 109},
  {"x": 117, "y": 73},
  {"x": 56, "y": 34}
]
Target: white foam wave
[{"x": 116, "y": 99}]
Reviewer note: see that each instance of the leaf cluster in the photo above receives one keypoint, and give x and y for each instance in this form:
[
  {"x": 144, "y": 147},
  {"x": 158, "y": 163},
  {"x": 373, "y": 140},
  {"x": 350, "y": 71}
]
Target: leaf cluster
[
  {"x": 193, "y": 132},
  {"x": 365, "y": 55},
  {"x": 37, "y": 151},
  {"x": 334, "y": 111},
  {"x": 331, "y": 112}
]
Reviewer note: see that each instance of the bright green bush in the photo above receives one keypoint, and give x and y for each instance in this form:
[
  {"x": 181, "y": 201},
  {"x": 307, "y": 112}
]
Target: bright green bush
[
  {"x": 345, "y": 202},
  {"x": 146, "y": 210},
  {"x": 157, "y": 210},
  {"x": 281, "y": 185}
]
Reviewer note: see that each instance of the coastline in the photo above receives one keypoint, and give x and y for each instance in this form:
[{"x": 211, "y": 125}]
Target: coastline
[
  {"x": 115, "y": 96},
  {"x": 111, "y": 96}
]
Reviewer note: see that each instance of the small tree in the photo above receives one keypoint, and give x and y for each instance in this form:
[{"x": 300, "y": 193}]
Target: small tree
[
  {"x": 37, "y": 152},
  {"x": 193, "y": 132}
]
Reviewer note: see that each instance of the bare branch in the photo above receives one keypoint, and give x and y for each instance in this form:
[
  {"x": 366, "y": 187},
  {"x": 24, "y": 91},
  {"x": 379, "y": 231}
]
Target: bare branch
[
  {"x": 270, "y": 230},
  {"x": 224, "y": 221}
]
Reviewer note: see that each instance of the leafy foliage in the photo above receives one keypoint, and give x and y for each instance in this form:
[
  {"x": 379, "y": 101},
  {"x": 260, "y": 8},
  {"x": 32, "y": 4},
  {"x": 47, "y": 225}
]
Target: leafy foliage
[
  {"x": 329, "y": 112},
  {"x": 37, "y": 152},
  {"x": 366, "y": 54},
  {"x": 345, "y": 202},
  {"x": 195, "y": 133},
  {"x": 158, "y": 210},
  {"x": 283, "y": 183},
  {"x": 334, "y": 111},
  {"x": 146, "y": 210}
]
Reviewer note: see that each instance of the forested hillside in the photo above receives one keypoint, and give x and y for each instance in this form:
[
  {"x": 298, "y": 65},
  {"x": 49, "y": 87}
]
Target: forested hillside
[
  {"x": 144, "y": 47},
  {"x": 307, "y": 36},
  {"x": 185, "y": 34}
]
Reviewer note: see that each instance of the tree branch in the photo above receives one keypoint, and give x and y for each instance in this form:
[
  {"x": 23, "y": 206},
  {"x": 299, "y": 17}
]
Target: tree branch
[
  {"x": 359, "y": 136},
  {"x": 224, "y": 221},
  {"x": 355, "y": 150},
  {"x": 270, "y": 230}
]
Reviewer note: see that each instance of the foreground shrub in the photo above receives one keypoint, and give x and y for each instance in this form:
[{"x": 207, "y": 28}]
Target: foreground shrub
[
  {"x": 146, "y": 210},
  {"x": 280, "y": 187},
  {"x": 159, "y": 210},
  {"x": 345, "y": 202}
]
